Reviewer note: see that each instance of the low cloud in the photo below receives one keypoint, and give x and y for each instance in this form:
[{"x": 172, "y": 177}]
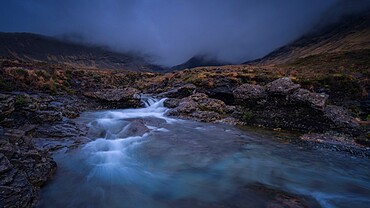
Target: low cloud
[{"x": 171, "y": 32}]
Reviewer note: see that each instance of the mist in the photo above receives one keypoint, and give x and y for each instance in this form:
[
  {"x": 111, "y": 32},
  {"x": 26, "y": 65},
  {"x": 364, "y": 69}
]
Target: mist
[{"x": 170, "y": 32}]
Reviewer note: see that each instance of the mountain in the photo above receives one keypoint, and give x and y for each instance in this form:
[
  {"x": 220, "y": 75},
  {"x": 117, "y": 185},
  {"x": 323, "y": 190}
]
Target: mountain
[
  {"x": 197, "y": 61},
  {"x": 348, "y": 38},
  {"x": 33, "y": 47}
]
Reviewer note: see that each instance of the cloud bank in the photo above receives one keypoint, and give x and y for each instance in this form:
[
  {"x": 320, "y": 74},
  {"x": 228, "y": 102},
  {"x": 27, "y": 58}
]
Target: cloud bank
[{"x": 172, "y": 31}]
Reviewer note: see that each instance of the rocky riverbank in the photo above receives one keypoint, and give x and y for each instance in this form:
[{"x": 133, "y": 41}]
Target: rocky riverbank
[
  {"x": 35, "y": 124},
  {"x": 32, "y": 126}
]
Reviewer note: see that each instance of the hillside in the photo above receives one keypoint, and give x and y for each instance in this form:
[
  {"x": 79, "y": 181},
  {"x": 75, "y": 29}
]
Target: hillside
[
  {"x": 32, "y": 47},
  {"x": 348, "y": 38}
]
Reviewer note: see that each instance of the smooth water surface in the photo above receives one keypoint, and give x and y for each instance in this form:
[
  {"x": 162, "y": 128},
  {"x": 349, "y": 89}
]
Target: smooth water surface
[{"x": 190, "y": 164}]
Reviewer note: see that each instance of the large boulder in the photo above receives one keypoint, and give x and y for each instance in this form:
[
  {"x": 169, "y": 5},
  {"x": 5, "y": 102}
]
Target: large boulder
[
  {"x": 315, "y": 100},
  {"x": 282, "y": 86},
  {"x": 200, "y": 107},
  {"x": 283, "y": 104},
  {"x": 249, "y": 94},
  {"x": 117, "y": 98}
]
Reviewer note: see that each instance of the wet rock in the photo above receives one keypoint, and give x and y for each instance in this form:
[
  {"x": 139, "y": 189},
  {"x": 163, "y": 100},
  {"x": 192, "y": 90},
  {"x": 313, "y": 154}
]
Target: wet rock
[
  {"x": 116, "y": 98},
  {"x": 180, "y": 92},
  {"x": 248, "y": 94},
  {"x": 315, "y": 100},
  {"x": 171, "y": 103},
  {"x": 135, "y": 128},
  {"x": 23, "y": 169},
  {"x": 335, "y": 142},
  {"x": 60, "y": 130},
  {"x": 282, "y": 86}
]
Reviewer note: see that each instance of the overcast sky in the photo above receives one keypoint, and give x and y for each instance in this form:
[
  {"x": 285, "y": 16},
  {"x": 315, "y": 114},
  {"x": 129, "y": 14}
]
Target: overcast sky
[{"x": 172, "y": 31}]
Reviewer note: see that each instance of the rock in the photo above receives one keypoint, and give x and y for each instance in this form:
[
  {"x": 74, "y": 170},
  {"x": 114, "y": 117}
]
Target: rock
[
  {"x": 222, "y": 89},
  {"x": 171, "y": 103},
  {"x": 248, "y": 94},
  {"x": 335, "y": 142},
  {"x": 341, "y": 119},
  {"x": 200, "y": 107},
  {"x": 6, "y": 105},
  {"x": 282, "y": 86},
  {"x": 23, "y": 169},
  {"x": 117, "y": 98},
  {"x": 135, "y": 128},
  {"x": 180, "y": 92},
  {"x": 315, "y": 100},
  {"x": 47, "y": 116}
]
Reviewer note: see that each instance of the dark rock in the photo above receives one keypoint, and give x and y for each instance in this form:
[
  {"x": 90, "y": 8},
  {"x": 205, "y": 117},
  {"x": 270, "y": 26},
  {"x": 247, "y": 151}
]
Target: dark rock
[
  {"x": 47, "y": 116},
  {"x": 200, "y": 107},
  {"x": 315, "y": 100},
  {"x": 23, "y": 169},
  {"x": 335, "y": 142},
  {"x": 222, "y": 89},
  {"x": 6, "y": 105},
  {"x": 135, "y": 128},
  {"x": 117, "y": 98},
  {"x": 282, "y": 86},
  {"x": 171, "y": 103},
  {"x": 341, "y": 119},
  {"x": 180, "y": 92},
  {"x": 248, "y": 94}
]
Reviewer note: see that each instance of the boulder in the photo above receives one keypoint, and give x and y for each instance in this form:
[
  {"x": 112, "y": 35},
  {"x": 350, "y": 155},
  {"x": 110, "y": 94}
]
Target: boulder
[
  {"x": 200, "y": 107},
  {"x": 171, "y": 103},
  {"x": 282, "y": 86},
  {"x": 248, "y": 94},
  {"x": 315, "y": 100},
  {"x": 180, "y": 92},
  {"x": 119, "y": 98}
]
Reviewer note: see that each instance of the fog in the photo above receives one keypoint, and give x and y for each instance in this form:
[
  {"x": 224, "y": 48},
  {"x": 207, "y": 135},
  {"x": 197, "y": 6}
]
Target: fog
[{"x": 172, "y": 31}]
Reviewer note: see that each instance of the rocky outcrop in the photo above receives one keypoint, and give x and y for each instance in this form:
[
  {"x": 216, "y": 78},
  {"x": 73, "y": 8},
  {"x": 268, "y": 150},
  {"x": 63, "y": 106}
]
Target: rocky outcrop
[
  {"x": 283, "y": 104},
  {"x": 116, "y": 98},
  {"x": 29, "y": 130},
  {"x": 199, "y": 107},
  {"x": 23, "y": 169}
]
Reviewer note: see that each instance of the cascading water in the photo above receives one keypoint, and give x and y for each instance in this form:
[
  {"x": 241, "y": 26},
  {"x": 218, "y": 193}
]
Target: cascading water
[{"x": 142, "y": 158}]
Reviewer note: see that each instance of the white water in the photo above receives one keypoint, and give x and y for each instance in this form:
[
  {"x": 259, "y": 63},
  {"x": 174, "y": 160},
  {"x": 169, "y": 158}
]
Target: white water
[{"x": 178, "y": 163}]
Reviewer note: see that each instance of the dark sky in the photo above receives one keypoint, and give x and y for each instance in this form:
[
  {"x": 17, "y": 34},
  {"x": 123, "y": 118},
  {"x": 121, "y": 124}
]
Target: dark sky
[{"x": 172, "y": 31}]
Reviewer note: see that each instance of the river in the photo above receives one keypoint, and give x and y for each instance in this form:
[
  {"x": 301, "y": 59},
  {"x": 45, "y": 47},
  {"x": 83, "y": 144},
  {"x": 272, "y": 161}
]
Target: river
[{"x": 142, "y": 158}]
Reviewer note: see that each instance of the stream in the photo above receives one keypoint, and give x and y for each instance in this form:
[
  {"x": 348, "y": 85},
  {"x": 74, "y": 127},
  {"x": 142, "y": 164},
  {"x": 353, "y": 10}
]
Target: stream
[{"x": 141, "y": 158}]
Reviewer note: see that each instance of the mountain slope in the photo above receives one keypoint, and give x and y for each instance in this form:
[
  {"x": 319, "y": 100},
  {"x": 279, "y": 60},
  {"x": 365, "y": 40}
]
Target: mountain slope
[
  {"x": 32, "y": 47},
  {"x": 351, "y": 35}
]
